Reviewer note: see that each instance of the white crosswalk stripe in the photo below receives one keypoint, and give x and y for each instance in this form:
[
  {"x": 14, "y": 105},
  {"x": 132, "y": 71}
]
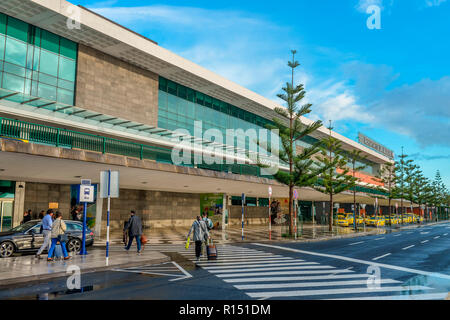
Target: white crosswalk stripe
[{"x": 264, "y": 275}]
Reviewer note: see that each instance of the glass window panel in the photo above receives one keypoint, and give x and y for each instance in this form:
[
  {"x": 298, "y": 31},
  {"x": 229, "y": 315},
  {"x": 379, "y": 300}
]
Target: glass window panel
[
  {"x": 37, "y": 37},
  {"x": 48, "y": 79},
  {"x": 162, "y": 100},
  {"x": 14, "y": 69},
  {"x": 28, "y": 73},
  {"x": 2, "y": 47},
  {"x": 49, "y": 63},
  {"x": 182, "y": 92},
  {"x": 65, "y": 96},
  {"x": 67, "y": 69},
  {"x": 30, "y": 51},
  {"x": 16, "y": 52},
  {"x": 37, "y": 53},
  {"x": 171, "y": 103},
  {"x": 2, "y": 23},
  {"x": 34, "y": 88},
  {"x": 12, "y": 82},
  {"x": 68, "y": 48},
  {"x": 17, "y": 29},
  {"x": 200, "y": 98},
  {"x": 1, "y": 79},
  {"x": 27, "y": 87},
  {"x": 162, "y": 84},
  {"x": 208, "y": 101},
  {"x": 172, "y": 87},
  {"x": 47, "y": 92},
  {"x": 68, "y": 85},
  {"x": 50, "y": 41},
  {"x": 190, "y": 95}
]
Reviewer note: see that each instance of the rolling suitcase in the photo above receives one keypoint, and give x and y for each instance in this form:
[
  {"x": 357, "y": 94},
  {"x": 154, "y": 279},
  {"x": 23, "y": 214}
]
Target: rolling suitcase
[
  {"x": 58, "y": 253},
  {"x": 211, "y": 251}
]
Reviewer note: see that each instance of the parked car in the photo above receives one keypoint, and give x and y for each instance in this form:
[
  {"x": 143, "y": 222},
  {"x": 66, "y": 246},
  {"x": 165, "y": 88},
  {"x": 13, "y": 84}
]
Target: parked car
[
  {"x": 342, "y": 221},
  {"x": 27, "y": 238},
  {"x": 376, "y": 221}
]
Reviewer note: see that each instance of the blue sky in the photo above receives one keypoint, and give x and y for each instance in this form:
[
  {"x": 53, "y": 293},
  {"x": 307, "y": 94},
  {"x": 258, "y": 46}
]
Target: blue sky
[{"x": 391, "y": 84}]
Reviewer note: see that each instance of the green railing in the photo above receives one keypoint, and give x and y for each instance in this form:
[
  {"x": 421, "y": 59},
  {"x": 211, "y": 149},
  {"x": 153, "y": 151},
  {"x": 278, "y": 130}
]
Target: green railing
[{"x": 36, "y": 133}]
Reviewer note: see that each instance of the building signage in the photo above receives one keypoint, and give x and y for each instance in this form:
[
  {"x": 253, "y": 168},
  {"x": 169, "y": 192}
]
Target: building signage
[{"x": 375, "y": 146}]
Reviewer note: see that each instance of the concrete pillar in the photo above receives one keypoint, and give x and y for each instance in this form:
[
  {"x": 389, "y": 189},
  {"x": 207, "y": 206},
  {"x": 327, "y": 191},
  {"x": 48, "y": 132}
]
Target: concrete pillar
[{"x": 19, "y": 203}]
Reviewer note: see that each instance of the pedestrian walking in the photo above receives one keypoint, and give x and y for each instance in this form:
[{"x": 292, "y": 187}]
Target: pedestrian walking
[
  {"x": 46, "y": 229},
  {"x": 58, "y": 234},
  {"x": 26, "y": 216},
  {"x": 134, "y": 228},
  {"x": 200, "y": 234}
]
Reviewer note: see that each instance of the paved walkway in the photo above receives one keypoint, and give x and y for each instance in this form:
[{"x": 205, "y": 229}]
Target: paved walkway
[
  {"x": 27, "y": 268},
  {"x": 253, "y": 233}
]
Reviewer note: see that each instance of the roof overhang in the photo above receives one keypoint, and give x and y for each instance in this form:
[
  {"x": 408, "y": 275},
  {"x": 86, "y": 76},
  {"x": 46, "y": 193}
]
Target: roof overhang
[{"x": 104, "y": 35}]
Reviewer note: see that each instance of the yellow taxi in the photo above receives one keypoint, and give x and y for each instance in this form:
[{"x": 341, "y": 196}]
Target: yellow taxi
[
  {"x": 376, "y": 221},
  {"x": 342, "y": 221},
  {"x": 418, "y": 218},
  {"x": 359, "y": 220},
  {"x": 394, "y": 219},
  {"x": 349, "y": 217}
]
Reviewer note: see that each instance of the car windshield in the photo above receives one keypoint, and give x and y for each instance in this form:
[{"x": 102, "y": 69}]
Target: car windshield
[{"x": 24, "y": 227}]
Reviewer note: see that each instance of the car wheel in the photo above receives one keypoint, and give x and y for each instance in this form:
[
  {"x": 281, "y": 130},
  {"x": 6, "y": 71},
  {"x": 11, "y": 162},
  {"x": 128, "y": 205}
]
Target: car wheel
[
  {"x": 6, "y": 249},
  {"x": 74, "y": 245}
]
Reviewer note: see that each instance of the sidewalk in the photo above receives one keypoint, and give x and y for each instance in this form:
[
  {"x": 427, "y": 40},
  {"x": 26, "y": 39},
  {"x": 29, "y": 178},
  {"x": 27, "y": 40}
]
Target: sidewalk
[
  {"x": 27, "y": 268},
  {"x": 309, "y": 232}
]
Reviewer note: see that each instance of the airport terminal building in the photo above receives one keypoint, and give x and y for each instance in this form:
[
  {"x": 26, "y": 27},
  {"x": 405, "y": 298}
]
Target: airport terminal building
[{"x": 80, "y": 94}]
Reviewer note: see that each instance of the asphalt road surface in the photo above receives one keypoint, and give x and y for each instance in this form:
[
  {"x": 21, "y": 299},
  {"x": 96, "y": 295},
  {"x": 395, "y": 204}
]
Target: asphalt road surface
[{"x": 409, "y": 264}]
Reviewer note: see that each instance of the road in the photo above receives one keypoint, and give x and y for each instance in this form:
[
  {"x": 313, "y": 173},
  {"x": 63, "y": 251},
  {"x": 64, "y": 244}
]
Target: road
[{"x": 409, "y": 264}]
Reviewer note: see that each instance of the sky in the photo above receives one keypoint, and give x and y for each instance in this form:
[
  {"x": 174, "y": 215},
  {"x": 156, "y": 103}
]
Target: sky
[{"x": 390, "y": 83}]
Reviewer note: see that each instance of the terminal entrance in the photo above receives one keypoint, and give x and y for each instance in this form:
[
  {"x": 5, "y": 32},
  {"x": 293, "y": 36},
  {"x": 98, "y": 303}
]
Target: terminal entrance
[{"x": 7, "y": 189}]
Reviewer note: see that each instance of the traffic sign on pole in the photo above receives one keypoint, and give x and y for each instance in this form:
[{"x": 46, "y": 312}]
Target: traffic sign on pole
[
  {"x": 86, "y": 195},
  {"x": 243, "y": 201},
  {"x": 109, "y": 188}
]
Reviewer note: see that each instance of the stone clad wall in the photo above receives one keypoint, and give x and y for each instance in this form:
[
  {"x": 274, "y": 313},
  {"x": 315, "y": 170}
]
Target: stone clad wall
[
  {"x": 38, "y": 196},
  {"x": 252, "y": 215},
  {"x": 108, "y": 85},
  {"x": 157, "y": 209}
]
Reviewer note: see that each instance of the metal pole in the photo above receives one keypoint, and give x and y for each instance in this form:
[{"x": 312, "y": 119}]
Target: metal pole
[
  {"x": 83, "y": 245},
  {"x": 107, "y": 218},
  {"x": 243, "y": 200},
  {"x": 270, "y": 222},
  {"x": 296, "y": 217}
]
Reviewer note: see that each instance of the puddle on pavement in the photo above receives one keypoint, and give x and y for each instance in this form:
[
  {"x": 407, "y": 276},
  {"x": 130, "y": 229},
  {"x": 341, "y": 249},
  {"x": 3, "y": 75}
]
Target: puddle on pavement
[{"x": 56, "y": 294}]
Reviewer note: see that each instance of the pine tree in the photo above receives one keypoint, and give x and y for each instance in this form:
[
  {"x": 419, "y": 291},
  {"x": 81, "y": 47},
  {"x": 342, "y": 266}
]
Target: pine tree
[
  {"x": 302, "y": 169},
  {"x": 335, "y": 178},
  {"x": 354, "y": 157},
  {"x": 388, "y": 178}
]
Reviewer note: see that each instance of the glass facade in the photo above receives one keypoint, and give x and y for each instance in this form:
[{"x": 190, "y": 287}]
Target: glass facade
[{"x": 36, "y": 62}]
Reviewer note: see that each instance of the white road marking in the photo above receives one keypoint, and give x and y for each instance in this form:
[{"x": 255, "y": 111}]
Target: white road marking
[
  {"x": 381, "y": 265},
  {"x": 424, "y": 241},
  {"x": 397, "y": 235},
  {"x": 437, "y": 237},
  {"x": 406, "y": 248},
  {"x": 445, "y": 234},
  {"x": 425, "y": 232},
  {"x": 302, "y": 293},
  {"x": 225, "y": 263},
  {"x": 425, "y": 296},
  {"x": 260, "y": 265},
  {"x": 187, "y": 274},
  {"x": 301, "y": 278},
  {"x": 380, "y": 238},
  {"x": 279, "y": 273},
  {"x": 384, "y": 255},
  {"x": 271, "y": 269},
  {"x": 308, "y": 284},
  {"x": 351, "y": 244}
]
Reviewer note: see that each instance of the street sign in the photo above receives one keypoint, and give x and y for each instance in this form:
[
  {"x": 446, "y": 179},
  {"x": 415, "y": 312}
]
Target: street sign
[
  {"x": 111, "y": 183},
  {"x": 85, "y": 182},
  {"x": 270, "y": 191},
  {"x": 295, "y": 194},
  {"x": 86, "y": 193}
]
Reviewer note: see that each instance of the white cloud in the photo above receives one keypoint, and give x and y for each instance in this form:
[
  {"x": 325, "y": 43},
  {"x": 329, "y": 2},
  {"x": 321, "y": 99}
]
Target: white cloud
[
  {"x": 364, "y": 4},
  {"x": 434, "y": 3}
]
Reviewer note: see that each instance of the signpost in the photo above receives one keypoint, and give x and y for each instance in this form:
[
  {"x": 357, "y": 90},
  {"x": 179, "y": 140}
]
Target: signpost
[
  {"x": 243, "y": 201},
  {"x": 86, "y": 195},
  {"x": 296, "y": 211},
  {"x": 109, "y": 188},
  {"x": 270, "y": 219}
]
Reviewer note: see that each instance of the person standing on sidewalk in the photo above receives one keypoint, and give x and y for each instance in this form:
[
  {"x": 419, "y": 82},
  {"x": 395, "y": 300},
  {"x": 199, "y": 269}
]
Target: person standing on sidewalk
[
  {"x": 200, "y": 234},
  {"x": 58, "y": 234},
  {"x": 134, "y": 228},
  {"x": 46, "y": 228}
]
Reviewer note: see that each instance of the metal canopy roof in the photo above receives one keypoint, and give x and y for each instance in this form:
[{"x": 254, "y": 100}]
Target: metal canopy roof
[{"x": 109, "y": 37}]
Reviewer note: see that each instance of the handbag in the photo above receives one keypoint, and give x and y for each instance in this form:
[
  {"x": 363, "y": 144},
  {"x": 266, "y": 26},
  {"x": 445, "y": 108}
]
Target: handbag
[
  {"x": 187, "y": 243},
  {"x": 144, "y": 239},
  {"x": 62, "y": 237}
]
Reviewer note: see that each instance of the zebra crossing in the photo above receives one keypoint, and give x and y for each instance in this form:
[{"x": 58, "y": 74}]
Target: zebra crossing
[
  {"x": 169, "y": 269},
  {"x": 265, "y": 275}
]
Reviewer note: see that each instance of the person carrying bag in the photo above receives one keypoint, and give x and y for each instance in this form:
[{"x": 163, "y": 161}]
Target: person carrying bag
[{"x": 58, "y": 233}]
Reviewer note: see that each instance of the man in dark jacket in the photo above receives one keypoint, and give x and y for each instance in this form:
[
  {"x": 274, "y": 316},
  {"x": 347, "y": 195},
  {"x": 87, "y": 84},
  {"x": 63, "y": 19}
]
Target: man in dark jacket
[{"x": 134, "y": 228}]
